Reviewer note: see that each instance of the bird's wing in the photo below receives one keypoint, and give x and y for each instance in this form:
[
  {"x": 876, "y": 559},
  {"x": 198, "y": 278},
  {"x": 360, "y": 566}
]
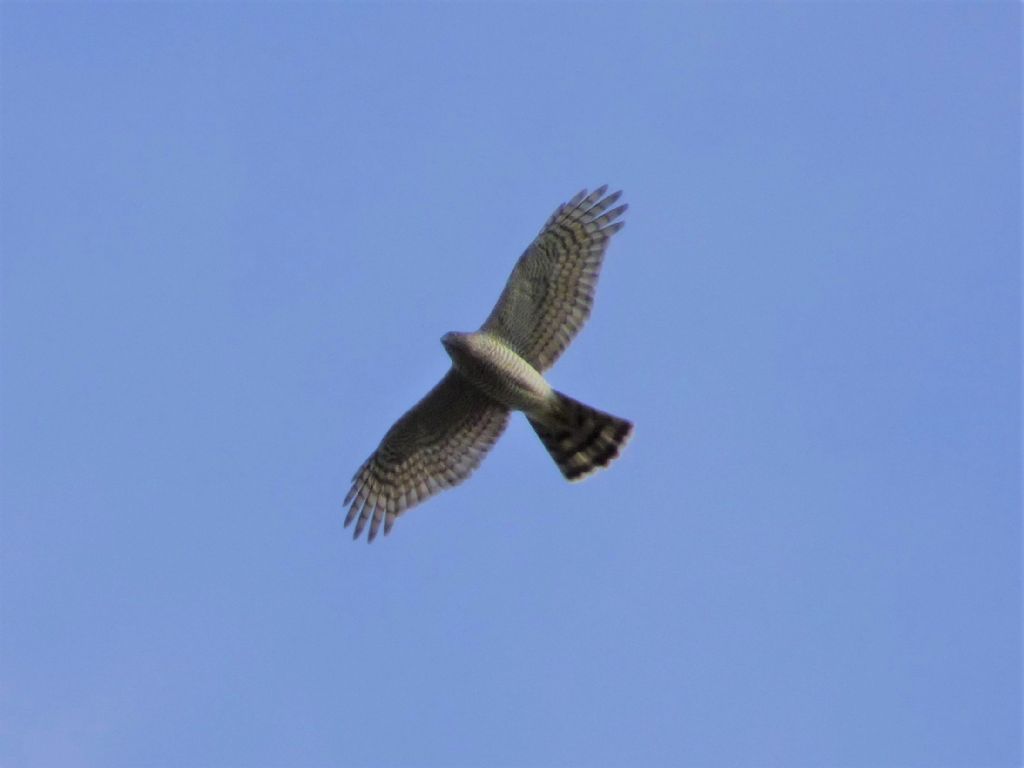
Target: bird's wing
[
  {"x": 549, "y": 295},
  {"x": 436, "y": 445}
]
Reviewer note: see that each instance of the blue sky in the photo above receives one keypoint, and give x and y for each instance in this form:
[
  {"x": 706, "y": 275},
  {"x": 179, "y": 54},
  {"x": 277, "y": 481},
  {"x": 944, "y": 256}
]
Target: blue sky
[{"x": 232, "y": 239}]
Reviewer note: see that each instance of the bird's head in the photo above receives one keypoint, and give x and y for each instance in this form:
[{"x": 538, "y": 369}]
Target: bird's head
[{"x": 452, "y": 340}]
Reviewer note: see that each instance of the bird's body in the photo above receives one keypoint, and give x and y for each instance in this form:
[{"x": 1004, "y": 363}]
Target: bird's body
[
  {"x": 495, "y": 369},
  {"x": 498, "y": 369}
]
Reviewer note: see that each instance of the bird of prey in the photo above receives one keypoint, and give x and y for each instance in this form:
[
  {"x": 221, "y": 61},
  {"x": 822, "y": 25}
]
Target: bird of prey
[{"x": 440, "y": 441}]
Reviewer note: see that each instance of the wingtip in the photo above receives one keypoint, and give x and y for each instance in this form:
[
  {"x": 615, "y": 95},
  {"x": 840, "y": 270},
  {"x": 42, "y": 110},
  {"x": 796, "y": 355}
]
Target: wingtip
[
  {"x": 574, "y": 200},
  {"x": 360, "y": 524}
]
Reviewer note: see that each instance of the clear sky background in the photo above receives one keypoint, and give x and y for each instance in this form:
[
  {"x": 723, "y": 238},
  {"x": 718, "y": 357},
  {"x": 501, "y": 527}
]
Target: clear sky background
[{"x": 232, "y": 238}]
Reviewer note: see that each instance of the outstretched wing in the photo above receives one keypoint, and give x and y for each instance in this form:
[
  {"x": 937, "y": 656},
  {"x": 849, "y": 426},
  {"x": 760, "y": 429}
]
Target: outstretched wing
[
  {"x": 548, "y": 297},
  {"x": 436, "y": 445}
]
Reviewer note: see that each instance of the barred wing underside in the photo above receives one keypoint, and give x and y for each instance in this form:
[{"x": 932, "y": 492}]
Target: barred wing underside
[
  {"x": 436, "y": 445},
  {"x": 549, "y": 295}
]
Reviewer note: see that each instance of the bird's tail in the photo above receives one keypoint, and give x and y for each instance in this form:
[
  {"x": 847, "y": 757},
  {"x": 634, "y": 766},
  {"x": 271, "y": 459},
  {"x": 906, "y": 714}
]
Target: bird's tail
[{"x": 579, "y": 438}]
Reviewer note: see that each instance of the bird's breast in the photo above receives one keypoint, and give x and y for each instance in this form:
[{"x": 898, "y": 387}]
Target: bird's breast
[{"x": 495, "y": 368}]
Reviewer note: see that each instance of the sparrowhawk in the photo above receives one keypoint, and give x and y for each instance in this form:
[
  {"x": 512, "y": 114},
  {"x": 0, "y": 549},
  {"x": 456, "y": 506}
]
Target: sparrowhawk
[{"x": 440, "y": 441}]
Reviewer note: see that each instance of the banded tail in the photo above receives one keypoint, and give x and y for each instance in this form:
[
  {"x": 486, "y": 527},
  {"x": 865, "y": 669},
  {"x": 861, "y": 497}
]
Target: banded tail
[{"x": 581, "y": 439}]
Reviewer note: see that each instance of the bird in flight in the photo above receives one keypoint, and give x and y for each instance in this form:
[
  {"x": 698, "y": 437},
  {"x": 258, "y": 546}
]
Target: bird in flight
[{"x": 440, "y": 441}]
